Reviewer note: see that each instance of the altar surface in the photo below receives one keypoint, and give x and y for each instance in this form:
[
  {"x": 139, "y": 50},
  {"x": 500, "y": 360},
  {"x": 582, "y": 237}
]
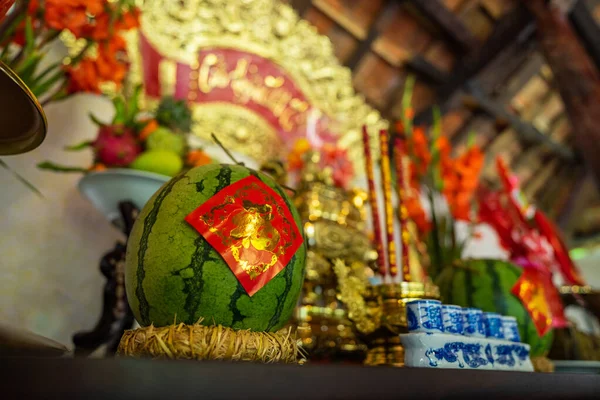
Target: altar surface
[{"x": 144, "y": 379}]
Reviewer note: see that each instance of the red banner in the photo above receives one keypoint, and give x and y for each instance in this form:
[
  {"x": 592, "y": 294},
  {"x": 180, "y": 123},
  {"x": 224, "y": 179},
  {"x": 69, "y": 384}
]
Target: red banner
[
  {"x": 252, "y": 228},
  {"x": 241, "y": 78}
]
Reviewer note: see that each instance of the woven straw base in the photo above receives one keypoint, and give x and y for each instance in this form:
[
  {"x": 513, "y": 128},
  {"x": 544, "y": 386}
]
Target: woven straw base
[
  {"x": 199, "y": 342},
  {"x": 542, "y": 364}
]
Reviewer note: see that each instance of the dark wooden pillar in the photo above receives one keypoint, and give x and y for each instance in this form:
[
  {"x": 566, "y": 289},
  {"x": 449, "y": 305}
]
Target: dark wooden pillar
[{"x": 576, "y": 77}]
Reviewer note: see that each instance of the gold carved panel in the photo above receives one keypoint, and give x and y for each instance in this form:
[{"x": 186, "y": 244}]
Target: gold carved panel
[{"x": 309, "y": 73}]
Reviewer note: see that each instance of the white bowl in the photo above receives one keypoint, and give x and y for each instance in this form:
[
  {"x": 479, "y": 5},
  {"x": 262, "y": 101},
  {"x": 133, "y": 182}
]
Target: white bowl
[{"x": 106, "y": 189}]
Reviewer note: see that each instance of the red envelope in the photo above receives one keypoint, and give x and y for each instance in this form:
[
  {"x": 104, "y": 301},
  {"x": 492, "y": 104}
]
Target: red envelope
[
  {"x": 252, "y": 228},
  {"x": 537, "y": 293}
]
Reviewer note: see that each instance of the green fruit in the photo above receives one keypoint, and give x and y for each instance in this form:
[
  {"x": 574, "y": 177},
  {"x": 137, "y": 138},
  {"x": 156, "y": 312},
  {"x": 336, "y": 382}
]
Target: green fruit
[
  {"x": 174, "y": 274},
  {"x": 164, "y": 139},
  {"x": 487, "y": 284},
  {"x": 158, "y": 161}
]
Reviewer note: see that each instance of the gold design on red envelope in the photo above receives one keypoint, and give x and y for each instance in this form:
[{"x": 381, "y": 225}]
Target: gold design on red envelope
[{"x": 250, "y": 225}]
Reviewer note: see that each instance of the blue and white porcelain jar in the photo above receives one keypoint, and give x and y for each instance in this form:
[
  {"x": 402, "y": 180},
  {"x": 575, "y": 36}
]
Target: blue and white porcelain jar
[
  {"x": 424, "y": 316},
  {"x": 473, "y": 322},
  {"x": 452, "y": 319},
  {"x": 493, "y": 325},
  {"x": 510, "y": 328}
]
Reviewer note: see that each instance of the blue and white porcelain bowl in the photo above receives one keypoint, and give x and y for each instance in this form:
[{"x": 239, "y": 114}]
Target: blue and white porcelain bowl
[
  {"x": 424, "y": 316},
  {"x": 473, "y": 322},
  {"x": 510, "y": 328},
  {"x": 493, "y": 325},
  {"x": 452, "y": 319}
]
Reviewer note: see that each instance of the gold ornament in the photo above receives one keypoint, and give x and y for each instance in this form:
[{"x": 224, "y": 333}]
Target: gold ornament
[
  {"x": 334, "y": 224},
  {"x": 179, "y": 30},
  {"x": 379, "y": 312}
]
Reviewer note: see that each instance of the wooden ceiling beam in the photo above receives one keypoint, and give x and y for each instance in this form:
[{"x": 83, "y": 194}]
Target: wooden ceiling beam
[
  {"x": 587, "y": 29},
  {"x": 528, "y": 132},
  {"x": 513, "y": 27},
  {"x": 567, "y": 211},
  {"x": 301, "y": 6},
  {"x": 426, "y": 70},
  {"x": 364, "y": 46},
  {"x": 516, "y": 82},
  {"x": 509, "y": 62},
  {"x": 507, "y": 31},
  {"x": 575, "y": 76},
  {"x": 448, "y": 23}
]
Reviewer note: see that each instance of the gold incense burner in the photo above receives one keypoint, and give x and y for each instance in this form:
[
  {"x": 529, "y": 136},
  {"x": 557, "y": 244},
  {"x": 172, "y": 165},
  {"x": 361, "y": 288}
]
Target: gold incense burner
[
  {"x": 379, "y": 312},
  {"x": 334, "y": 226}
]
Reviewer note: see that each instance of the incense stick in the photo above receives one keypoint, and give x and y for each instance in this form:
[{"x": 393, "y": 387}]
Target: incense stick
[
  {"x": 373, "y": 202},
  {"x": 402, "y": 175}
]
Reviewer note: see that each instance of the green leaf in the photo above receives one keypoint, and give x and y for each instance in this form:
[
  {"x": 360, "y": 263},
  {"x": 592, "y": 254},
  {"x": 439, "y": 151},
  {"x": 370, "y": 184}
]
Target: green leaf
[
  {"x": 40, "y": 77},
  {"x": 47, "y": 165},
  {"x": 62, "y": 94},
  {"x": 27, "y": 68},
  {"x": 3, "y": 54},
  {"x": 42, "y": 88},
  {"x": 437, "y": 123},
  {"x": 96, "y": 121},
  {"x": 10, "y": 32},
  {"x": 435, "y": 247},
  {"x": 120, "y": 110},
  {"x": 29, "y": 35},
  {"x": 133, "y": 106},
  {"x": 21, "y": 178},
  {"x": 80, "y": 146},
  {"x": 471, "y": 139},
  {"x": 409, "y": 85}
]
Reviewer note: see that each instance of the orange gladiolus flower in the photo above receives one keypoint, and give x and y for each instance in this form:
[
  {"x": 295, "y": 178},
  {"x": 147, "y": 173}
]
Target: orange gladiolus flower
[
  {"x": 19, "y": 36},
  {"x": 197, "y": 158},
  {"x": 83, "y": 78},
  {"x": 101, "y": 29},
  {"x": 129, "y": 20},
  {"x": 461, "y": 177},
  {"x": 91, "y": 19},
  {"x": 77, "y": 16},
  {"x": 108, "y": 66},
  {"x": 112, "y": 59},
  {"x": 419, "y": 149},
  {"x": 443, "y": 146},
  {"x": 399, "y": 127}
]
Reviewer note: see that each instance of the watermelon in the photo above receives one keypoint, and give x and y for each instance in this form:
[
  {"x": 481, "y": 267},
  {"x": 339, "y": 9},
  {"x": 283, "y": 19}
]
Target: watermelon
[
  {"x": 173, "y": 274},
  {"x": 487, "y": 284}
]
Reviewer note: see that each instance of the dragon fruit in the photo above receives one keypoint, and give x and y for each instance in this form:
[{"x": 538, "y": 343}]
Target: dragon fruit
[{"x": 116, "y": 146}]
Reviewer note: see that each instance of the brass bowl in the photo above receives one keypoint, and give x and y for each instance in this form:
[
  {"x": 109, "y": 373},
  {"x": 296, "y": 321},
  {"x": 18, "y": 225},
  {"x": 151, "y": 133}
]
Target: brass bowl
[{"x": 22, "y": 118}]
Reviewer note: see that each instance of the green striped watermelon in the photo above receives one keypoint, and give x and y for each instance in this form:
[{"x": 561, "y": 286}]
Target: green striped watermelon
[
  {"x": 174, "y": 275},
  {"x": 487, "y": 284}
]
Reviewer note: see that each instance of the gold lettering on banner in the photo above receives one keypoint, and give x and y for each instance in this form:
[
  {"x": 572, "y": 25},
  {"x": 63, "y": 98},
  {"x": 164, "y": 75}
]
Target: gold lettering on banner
[
  {"x": 247, "y": 85},
  {"x": 167, "y": 71}
]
